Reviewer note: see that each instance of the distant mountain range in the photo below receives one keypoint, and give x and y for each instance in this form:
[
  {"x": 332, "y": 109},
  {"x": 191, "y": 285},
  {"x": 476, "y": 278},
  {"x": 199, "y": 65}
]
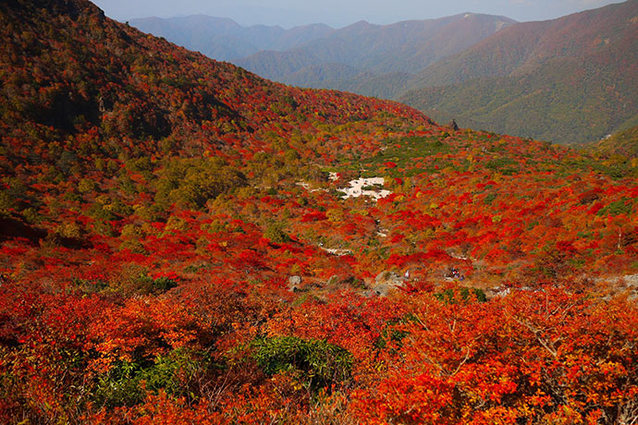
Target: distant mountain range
[
  {"x": 320, "y": 56},
  {"x": 224, "y": 39},
  {"x": 407, "y": 46},
  {"x": 567, "y": 80}
]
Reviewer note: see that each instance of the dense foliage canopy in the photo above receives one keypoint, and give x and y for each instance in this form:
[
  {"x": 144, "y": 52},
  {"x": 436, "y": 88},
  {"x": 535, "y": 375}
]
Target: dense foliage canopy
[{"x": 174, "y": 248}]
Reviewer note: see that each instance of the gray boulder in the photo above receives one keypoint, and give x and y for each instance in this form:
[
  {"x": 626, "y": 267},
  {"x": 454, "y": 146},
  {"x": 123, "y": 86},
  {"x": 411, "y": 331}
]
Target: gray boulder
[{"x": 294, "y": 283}]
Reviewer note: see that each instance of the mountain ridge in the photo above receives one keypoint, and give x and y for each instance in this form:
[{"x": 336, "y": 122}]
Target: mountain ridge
[
  {"x": 224, "y": 39},
  {"x": 572, "y": 77},
  {"x": 406, "y": 46},
  {"x": 525, "y": 45}
]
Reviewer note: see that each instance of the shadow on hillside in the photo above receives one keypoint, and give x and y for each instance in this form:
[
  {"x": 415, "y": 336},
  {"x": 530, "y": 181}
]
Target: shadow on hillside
[{"x": 12, "y": 228}]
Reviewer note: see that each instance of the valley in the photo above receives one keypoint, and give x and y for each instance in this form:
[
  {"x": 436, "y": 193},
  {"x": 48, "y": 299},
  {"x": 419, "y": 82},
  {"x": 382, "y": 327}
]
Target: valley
[{"x": 572, "y": 77}]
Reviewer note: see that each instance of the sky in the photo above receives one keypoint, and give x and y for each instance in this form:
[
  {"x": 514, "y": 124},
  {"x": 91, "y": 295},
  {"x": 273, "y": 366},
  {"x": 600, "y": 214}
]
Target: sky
[{"x": 339, "y": 13}]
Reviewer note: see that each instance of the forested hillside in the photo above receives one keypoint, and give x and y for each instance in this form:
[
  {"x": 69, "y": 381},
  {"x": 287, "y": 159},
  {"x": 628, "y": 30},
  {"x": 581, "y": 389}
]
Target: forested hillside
[
  {"x": 567, "y": 80},
  {"x": 184, "y": 242}
]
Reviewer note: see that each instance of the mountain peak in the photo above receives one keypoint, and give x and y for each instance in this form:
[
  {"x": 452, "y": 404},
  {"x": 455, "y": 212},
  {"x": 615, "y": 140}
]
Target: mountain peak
[{"x": 362, "y": 24}]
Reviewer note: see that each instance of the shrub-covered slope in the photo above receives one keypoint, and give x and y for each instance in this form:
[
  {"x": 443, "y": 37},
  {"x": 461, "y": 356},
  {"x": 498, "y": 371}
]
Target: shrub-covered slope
[{"x": 175, "y": 247}]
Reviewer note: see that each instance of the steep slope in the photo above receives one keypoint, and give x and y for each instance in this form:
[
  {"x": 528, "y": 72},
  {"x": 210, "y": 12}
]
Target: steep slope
[
  {"x": 572, "y": 79},
  {"x": 124, "y": 85},
  {"x": 404, "y": 47},
  {"x": 224, "y": 39},
  {"x": 524, "y": 47},
  {"x": 182, "y": 242}
]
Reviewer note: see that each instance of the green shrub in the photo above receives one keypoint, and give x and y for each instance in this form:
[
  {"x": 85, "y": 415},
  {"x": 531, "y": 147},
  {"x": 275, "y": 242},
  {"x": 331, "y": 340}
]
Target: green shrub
[
  {"x": 135, "y": 279},
  {"x": 119, "y": 387},
  {"x": 86, "y": 186},
  {"x": 461, "y": 295},
  {"x": 8, "y": 203},
  {"x": 163, "y": 284},
  {"x": 127, "y": 383},
  {"x": 317, "y": 363},
  {"x": 490, "y": 198},
  {"x": 274, "y": 231},
  {"x": 191, "y": 182},
  {"x": 505, "y": 166},
  {"x": 624, "y": 206}
]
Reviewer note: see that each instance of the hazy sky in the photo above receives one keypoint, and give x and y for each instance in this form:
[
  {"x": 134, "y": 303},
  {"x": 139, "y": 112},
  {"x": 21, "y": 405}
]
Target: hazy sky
[{"x": 339, "y": 13}]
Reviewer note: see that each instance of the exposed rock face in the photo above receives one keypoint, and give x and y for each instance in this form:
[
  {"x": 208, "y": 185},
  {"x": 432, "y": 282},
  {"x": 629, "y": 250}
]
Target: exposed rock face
[
  {"x": 371, "y": 186},
  {"x": 294, "y": 283}
]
